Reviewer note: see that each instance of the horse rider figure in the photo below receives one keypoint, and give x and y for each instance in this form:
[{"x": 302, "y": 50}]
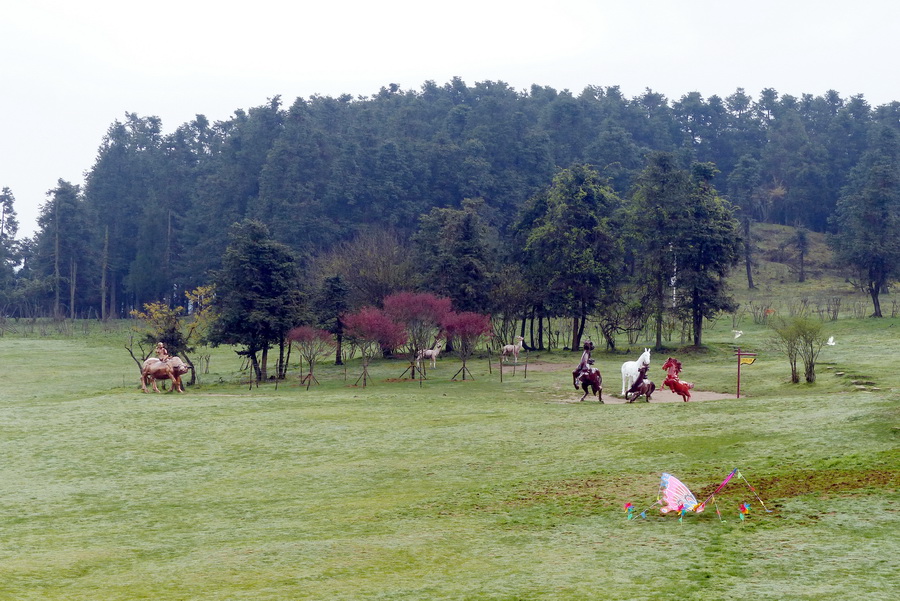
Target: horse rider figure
[{"x": 584, "y": 366}]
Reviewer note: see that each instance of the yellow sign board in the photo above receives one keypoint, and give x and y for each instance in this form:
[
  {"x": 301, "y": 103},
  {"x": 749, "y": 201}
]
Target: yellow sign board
[{"x": 747, "y": 360}]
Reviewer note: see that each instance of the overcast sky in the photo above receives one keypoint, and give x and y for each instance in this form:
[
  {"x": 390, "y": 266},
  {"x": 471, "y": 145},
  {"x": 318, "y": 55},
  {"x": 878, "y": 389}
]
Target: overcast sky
[{"x": 68, "y": 69}]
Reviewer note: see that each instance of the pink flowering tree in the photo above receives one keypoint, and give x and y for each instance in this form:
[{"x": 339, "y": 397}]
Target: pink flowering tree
[
  {"x": 421, "y": 315},
  {"x": 466, "y": 330},
  {"x": 313, "y": 344},
  {"x": 372, "y": 330}
]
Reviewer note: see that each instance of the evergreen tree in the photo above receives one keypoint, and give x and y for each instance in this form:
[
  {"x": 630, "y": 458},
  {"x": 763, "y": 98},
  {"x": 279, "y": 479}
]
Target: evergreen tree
[
  {"x": 795, "y": 159},
  {"x": 63, "y": 252},
  {"x": 868, "y": 217},
  {"x": 121, "y": 193},
  {"x": 258, "y": 298},
  {"x": 229, "y": 190},
  {"x": 573, "y": 235},
  {"x": 329, "y": 169},
  {"x": 453, "y": 252},
  {"x": 706, "y": 250},
  {"x": 743, "y": 191},
  {"x": 292, "y": 192},
  {"x": 9, "y": 251},
  {"x": 656, "y": 217},
  {"x": 331, "y": 307}
]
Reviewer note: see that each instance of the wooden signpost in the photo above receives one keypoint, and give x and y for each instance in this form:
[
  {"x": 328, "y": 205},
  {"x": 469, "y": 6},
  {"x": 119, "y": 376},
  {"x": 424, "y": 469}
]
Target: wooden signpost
[{"x": 743, "y": 359}]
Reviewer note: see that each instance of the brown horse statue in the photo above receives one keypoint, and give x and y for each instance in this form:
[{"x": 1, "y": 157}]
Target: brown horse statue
[
  {"x": 591, "y": 378},
  {"x": 642, "y": 387},
  {"x": 171, "y": 369}
]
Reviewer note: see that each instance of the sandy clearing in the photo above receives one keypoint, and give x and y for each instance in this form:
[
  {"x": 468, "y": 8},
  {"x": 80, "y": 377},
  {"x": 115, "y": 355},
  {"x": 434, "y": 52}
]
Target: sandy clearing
[{"x": 660, "y": 396}]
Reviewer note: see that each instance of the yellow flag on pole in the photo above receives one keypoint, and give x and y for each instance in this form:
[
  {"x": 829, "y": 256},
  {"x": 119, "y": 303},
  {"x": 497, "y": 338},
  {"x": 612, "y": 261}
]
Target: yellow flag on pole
[{"x": 747, "y": 360}]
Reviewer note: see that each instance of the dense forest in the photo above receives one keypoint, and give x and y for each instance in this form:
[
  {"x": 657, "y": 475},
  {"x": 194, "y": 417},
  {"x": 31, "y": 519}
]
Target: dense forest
[{"x": 457, "y": 189}]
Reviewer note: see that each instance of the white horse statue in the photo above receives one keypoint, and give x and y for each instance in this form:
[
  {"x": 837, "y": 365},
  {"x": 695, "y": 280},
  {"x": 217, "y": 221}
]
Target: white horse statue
[{"x": 630, "y": 370}]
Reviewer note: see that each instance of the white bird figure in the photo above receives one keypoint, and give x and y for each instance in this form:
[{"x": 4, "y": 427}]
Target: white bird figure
[
  {"x": 830, "y": 341},
  {"x": 738, "y": 333}
]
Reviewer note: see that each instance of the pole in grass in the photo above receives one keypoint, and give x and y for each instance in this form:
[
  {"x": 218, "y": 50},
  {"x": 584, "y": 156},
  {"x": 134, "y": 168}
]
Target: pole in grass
[{"x": 743, "y": 359}]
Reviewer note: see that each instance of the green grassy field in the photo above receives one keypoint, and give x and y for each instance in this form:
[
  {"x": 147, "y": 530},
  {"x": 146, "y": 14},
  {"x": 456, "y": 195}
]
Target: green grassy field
[{"x": 449, "y": 490}]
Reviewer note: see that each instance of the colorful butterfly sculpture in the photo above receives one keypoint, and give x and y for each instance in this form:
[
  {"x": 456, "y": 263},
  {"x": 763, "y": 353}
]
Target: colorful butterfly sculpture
[{"x": 675, "y": 496}]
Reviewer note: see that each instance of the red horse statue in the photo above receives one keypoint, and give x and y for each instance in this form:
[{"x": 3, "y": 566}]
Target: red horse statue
[{"x": 673, "y": 368}]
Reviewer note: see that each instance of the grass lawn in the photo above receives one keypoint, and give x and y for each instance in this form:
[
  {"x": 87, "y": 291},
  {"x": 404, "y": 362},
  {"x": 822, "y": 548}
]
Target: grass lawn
[{"x": 449, "y": 490}]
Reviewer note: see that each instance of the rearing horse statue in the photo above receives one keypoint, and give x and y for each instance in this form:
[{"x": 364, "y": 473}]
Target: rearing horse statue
[{"x": 630, "y": 370}]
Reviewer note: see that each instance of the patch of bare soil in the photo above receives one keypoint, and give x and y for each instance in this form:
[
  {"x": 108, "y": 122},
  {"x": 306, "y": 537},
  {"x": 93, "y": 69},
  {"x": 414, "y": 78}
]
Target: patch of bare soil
[
  {"x": 586, "y": 495},
  {"x": 667, "y": 396},
  {"x": 660, "y": 396},
  {"x": 611, "y": 394},
  {"x": 799, "y": 483}
]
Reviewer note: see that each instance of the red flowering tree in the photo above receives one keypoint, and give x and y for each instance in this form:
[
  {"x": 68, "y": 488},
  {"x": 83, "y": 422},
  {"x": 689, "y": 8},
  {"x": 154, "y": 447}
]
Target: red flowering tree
[
  {"x": 421, "y": 315},
  {"x": 313, "y": 344},
  {"x": 373, "y": 330},
  {"x": 466, "y": 330}
]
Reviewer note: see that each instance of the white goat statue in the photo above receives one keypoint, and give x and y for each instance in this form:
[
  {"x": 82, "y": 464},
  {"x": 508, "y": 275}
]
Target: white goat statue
[
  {"x": 512, "y": 349},
  {"x": 431, "y": 353}
]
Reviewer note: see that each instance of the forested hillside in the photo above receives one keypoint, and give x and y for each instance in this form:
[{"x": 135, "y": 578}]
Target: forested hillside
[{"x": 410, "y": 182}]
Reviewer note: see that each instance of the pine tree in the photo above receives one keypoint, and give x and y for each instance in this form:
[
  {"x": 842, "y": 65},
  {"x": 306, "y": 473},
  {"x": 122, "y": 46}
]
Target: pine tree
[
  {"x": 9, "y": 251},
  {"x": 258, "y": 298},
  {"x": 868, "y": 217},
  {"x": 572, "y": 242}
]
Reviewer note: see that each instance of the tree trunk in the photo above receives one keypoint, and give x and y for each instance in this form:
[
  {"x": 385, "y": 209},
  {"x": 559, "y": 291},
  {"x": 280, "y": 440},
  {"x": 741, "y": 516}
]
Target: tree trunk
[
  {"x": 874, "y": 289},
  {"x": 338, "y": 359},
  {"x": 190, "y": 363},
  {"x": 540, "y": 331},
  {"x": 113, "y": 300},
  {"x": 659, "y": 328},
  {"x": 809, "y": 369},
  {"x": 167, "y": 258},
  {"x": 531, "y": 327},
  {"x": 581, "y": 325},
  {"x": 575, "y": 341},
  {"x": 609, "y": 334},
  {"x": 56, "y": 275},
  {"x": 254, "y": 363},
  {"x": 262, "y": 371},
  {"x": 795, "y": 377},
  {"x": 660, "y": 302},
  {"x": 282, "y": 367},
  {"x": 73, "y": 271},
  {"x": 284, "y": 360},
  {"x": 103, "y": 269},
  {"x": 748, "y": 255},
  {"x": 698, "y": 325}
]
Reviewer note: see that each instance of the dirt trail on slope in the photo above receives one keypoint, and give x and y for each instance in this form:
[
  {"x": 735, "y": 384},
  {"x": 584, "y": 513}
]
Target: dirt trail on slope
[{"x": 613, "y": 386}]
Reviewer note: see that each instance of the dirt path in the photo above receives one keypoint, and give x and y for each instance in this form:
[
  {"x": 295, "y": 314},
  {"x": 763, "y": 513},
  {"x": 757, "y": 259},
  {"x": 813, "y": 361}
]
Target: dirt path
[{"x": 660, "y": 396}]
